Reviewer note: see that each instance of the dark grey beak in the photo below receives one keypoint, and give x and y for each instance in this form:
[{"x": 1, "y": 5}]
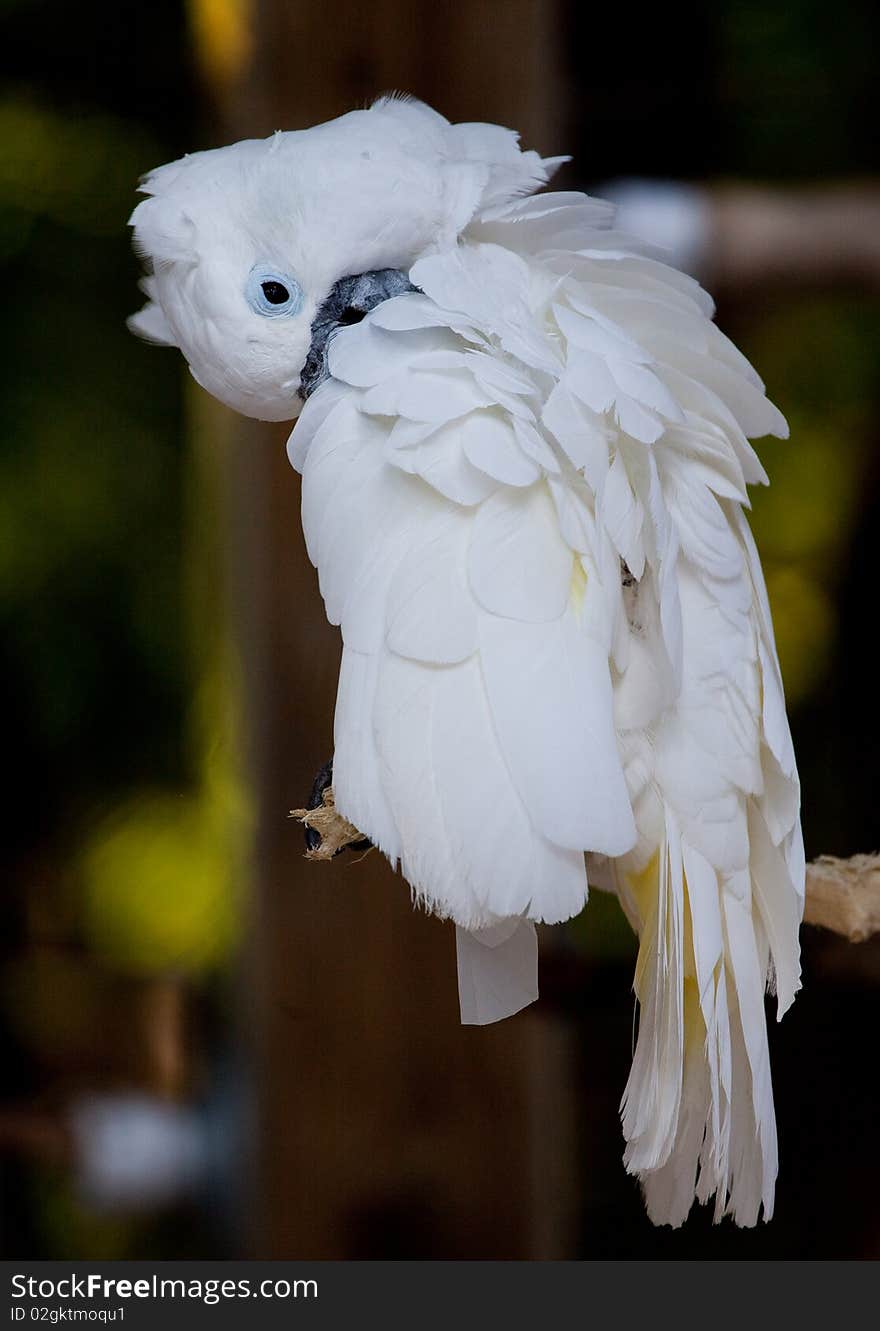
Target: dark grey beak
[{"x": 349, "y": 300}]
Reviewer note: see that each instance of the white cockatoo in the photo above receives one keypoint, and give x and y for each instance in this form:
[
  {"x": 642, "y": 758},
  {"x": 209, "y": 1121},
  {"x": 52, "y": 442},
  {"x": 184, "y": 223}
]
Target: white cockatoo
[{"x": 524, "y": 455}]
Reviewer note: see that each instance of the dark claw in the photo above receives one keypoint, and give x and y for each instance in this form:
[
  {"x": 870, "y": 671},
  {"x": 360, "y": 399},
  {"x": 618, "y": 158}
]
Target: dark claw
[
  {"x": 324, "y": 779},
  {"x": 316, "y": 799}
]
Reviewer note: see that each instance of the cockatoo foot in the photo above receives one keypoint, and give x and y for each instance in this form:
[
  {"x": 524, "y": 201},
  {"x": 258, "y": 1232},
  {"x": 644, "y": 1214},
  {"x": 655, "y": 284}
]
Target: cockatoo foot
[{"x": 327, "y": 833}]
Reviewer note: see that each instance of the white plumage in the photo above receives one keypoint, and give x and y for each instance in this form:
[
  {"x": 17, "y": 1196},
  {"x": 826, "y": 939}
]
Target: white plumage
[{"x": 523, "y": 485}]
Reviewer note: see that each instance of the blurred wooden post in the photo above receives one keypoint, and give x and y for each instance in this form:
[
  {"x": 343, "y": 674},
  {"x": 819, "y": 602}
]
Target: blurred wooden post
[{"x": 385, "y": 1128}]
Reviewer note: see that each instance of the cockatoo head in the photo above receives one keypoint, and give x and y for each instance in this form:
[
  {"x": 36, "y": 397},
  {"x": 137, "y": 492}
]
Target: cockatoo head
[{"x": 256, "y": 253}]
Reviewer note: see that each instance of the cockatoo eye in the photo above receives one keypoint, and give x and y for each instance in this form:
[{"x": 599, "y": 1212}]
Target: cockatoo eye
[
  {"x": 272, "y": 293},
  {"x": 276, "y": 293}
]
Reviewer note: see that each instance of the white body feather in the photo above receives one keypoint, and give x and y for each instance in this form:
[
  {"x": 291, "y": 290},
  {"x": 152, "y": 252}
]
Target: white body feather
[{"x": 522, "y": 490}]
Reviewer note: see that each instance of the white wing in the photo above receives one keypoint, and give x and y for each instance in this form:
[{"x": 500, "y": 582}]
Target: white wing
[{"x": 474, "y": 737}]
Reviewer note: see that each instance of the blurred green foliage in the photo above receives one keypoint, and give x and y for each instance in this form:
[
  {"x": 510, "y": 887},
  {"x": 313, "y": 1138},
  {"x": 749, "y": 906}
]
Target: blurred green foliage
[
  {"x": 93, "y": 487},
  {"x": 162, "y": 873},
  {"x": 91, "y": 484},
  {"x": 125, "y": 818},
  {"x": 796, "y": 83},
  {"x": 820, "y": 356},
  {"x": 92, "y": 562}
]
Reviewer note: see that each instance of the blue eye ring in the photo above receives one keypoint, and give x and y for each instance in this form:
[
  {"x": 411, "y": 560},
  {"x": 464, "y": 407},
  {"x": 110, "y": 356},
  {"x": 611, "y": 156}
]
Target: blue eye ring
[{"x": 272, "y": 293}]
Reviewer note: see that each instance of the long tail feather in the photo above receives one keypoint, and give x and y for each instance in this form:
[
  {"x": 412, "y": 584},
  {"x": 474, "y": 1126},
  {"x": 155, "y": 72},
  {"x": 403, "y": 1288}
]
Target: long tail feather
[{"x": 697, "y": 1112}]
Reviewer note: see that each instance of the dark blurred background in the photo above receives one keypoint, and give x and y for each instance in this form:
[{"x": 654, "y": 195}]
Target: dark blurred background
[{"x": 209, "y": 1047}]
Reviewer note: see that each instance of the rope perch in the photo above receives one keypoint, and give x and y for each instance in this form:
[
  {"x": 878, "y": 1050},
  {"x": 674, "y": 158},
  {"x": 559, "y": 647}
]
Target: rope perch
[
  {"x": 842, "y": 895},
  {"x": 335, "y": 831}
]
